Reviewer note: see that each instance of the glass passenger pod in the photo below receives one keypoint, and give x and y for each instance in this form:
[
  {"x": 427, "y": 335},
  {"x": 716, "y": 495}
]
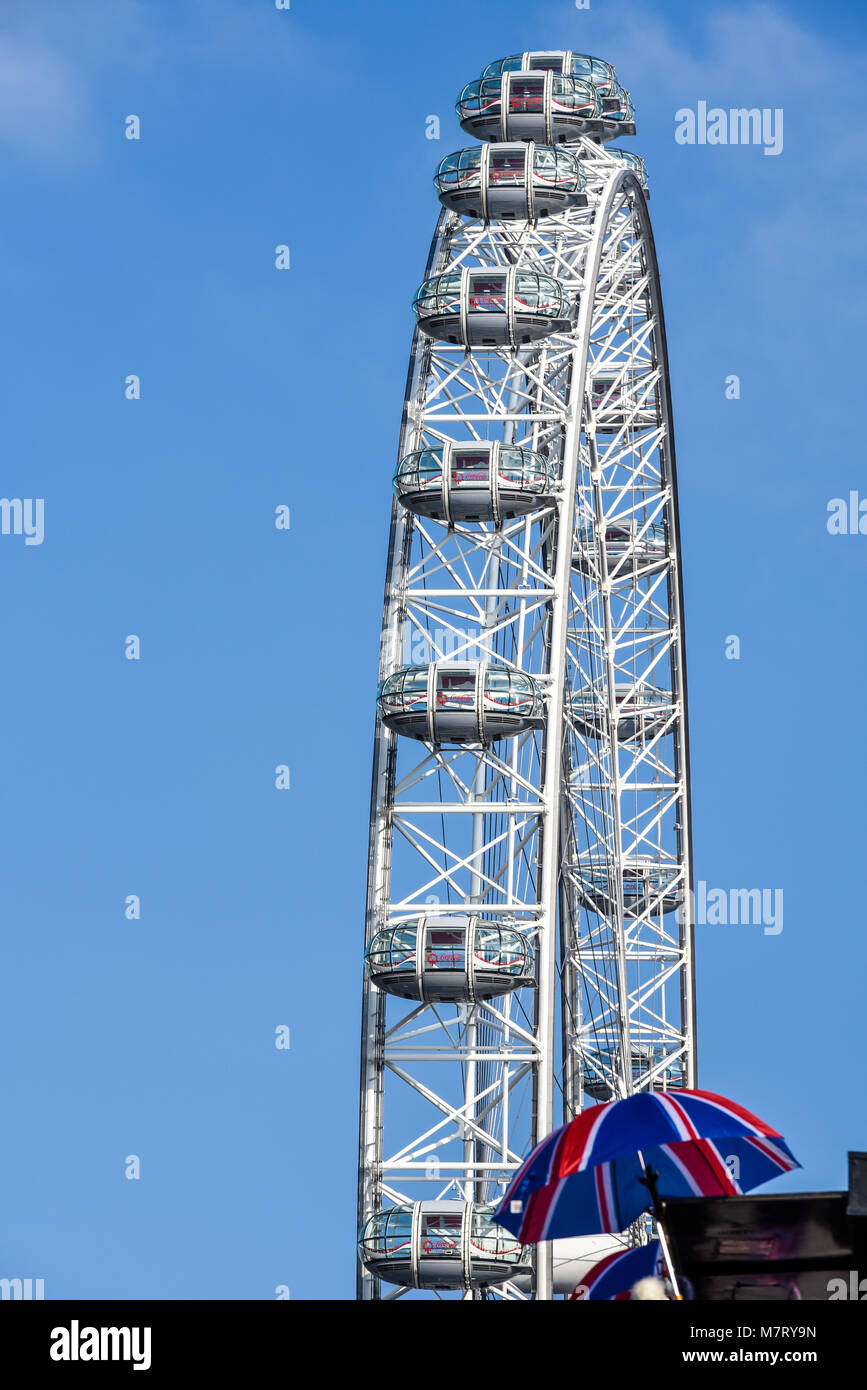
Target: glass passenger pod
[
  {"x": 539, "y": 106},
  {"x": 443, "y": 1244},
  {"x": 629, "y": 546},
  {"x": 505, "y": 182},
  {"x": 628, "y": 272},
  {"x": 648, "y": 883},
  {"x": 595, "y": 70},
  {"x": 618, "y": 113},
  {"x": 642, "y": 710},
  {"x": 460, "y": 702},
  {"x": 492, "y": 307},
  {"x": 474, "y": 482},
  {"x": 602, "y": 1064},
  {"x": 635, "y": 163},
  {"x": 621, "y": 399},
  {"x": 450, "y": 960}
]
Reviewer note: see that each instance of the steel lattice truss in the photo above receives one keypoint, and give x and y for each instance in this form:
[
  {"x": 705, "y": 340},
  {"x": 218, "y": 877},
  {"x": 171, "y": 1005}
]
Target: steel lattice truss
[{"x": 548, "y": 832}]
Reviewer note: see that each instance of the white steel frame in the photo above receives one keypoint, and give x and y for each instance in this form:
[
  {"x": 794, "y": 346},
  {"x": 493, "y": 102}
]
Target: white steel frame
[{"x": 452, "y": 1098}]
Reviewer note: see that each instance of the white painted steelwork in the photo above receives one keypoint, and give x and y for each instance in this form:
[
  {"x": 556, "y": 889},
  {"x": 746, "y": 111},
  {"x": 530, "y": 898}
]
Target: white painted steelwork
[{"x": 575, "y": 834}]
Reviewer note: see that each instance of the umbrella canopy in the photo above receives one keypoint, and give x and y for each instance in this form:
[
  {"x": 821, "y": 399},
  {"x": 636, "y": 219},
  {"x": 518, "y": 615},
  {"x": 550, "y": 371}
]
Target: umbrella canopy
[
  {"x": 614, "y": 1276},
  {"x": 586, "y": 1177}
]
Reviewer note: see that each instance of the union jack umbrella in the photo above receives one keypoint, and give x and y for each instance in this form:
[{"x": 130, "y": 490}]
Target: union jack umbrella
[
  {"x": 614, "y": 1276},
  {"x": 613, "y": 1161}
]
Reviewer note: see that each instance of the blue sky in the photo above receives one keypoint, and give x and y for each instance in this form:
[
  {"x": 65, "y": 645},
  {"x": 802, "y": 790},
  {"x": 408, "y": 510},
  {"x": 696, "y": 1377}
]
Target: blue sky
[{"x": 259, "y": 388}]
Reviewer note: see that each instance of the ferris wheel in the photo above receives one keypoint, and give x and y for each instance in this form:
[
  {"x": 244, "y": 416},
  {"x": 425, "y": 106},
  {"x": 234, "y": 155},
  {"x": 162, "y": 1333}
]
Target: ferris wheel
[{"x": 528, "y": 941}]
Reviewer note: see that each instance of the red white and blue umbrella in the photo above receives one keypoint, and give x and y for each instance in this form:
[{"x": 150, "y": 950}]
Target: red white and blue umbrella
[
  {"x": 592, "y": 1175},
  {"x": 615, "y": 1275}
]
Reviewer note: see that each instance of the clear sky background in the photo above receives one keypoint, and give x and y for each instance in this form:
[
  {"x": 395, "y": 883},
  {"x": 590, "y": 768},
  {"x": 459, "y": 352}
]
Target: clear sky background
[{"x": 262, "y": 387}]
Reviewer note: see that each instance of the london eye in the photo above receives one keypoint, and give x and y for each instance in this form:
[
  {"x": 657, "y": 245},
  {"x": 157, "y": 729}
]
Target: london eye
[{"x": 528, "y": 942}]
